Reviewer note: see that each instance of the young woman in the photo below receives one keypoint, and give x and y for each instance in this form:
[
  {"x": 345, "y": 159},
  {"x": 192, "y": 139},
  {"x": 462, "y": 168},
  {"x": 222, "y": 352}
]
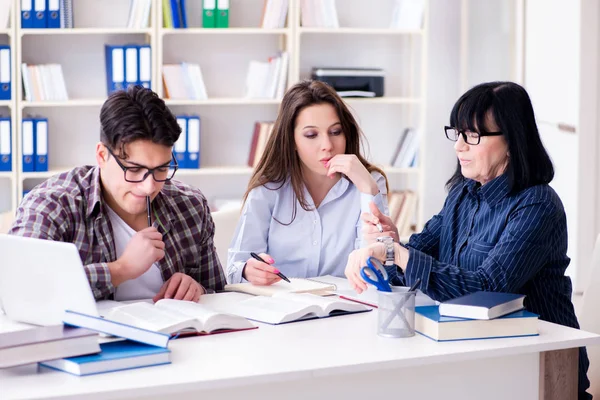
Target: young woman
[{"x": 302, "y": 208}]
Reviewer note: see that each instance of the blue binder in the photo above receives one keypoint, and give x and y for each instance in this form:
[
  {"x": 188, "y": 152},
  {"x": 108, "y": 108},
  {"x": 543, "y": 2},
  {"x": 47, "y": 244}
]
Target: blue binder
[
  {"x": 180, "y": 148},
  {"x": 41, "y": 144},
  {"x": 28, "y": 143},
  {"x": 26, "y": 14},
  {"x": 115, "y": 68},
  {"x": 193, "y": 142},
  {"x": 182, "y": 11},
  {"x": 131, "y": 65},
  {"x": 5, "y": 71},
  {"x": 39, "y": 17},
  {"x": 176, "y": 13},
  {"x": 145, "y": 66},
  {"x": 5, "y": 145},
  {"x": 53, "y": 14}
]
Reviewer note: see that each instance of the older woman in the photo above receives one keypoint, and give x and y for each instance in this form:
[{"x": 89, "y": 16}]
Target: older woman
[{"x": 502, "y": 227}]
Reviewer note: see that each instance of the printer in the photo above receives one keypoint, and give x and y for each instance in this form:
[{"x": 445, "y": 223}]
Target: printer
[{"x": 352, "y": 82}]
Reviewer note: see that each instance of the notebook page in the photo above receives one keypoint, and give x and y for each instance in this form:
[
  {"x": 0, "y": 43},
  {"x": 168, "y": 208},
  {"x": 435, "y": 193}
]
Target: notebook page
[{"x": 296, "y": 285}]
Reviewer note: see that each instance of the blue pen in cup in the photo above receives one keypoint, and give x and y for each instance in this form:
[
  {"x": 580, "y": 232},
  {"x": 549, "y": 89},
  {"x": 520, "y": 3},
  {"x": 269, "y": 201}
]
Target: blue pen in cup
[{"x": 257, "y": 257}]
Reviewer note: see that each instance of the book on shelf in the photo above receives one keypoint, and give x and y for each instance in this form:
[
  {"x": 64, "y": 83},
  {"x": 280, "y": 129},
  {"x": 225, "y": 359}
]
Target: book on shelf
[
  {"x": 284, "y": 307},
  {"x": 115, "y": 356},
  {"x": 296, "y": 285},
  {"x": 401, "y": 205},
  {"x": 45, "y": 343},
  {"x": 184, "y": 81},
  {"x": 408, "y": 14},
  {"x": 431, "y": 324},
  {"x": 5, "y": 10},
  {"x": 267, "y": 80},
  {"x": 407, "y": 149},
  {"x": 222, "y": 14},
  {"x": 44, "y": 82},
  {"x": 156, "y": 323},
  {"x": 482, "y": 305},
  {"x": 262, "y": 131},
  {"x": 174, "y": 14},
  {"x": 274, "y": 14},
  {"x": 139, "y": 14}
]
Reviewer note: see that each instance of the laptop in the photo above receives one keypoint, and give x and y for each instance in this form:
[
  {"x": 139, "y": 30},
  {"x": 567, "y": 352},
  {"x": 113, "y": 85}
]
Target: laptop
[{"x": 40, "y": 279}]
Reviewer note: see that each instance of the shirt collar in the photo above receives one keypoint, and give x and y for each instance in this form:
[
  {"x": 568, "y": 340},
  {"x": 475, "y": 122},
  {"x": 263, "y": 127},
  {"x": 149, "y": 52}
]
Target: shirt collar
[{"x": 492, "y": 192}]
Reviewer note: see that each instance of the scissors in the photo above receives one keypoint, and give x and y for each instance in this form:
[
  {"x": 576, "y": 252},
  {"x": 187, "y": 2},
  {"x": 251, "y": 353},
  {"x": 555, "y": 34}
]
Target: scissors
[{"x": 375, "y": 274}]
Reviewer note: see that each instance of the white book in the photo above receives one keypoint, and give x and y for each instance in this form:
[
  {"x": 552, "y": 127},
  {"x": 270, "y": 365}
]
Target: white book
[
  {"x": 288, "y": 307},
  {"x": 256, "y": 79},
  {"x": 283, "y": 73},
  {"x": 5, "y": 9},
  {"x": 296, "y": 285},
  {"x": 408, "y": 14},
  {"x": 27, "y": 85},
  {"x": 174, "y": 81},
  {"x": 198, "y": 81}
]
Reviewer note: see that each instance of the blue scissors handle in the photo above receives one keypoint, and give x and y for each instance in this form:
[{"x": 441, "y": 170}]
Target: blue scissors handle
[{"x": 380, "y": 281}]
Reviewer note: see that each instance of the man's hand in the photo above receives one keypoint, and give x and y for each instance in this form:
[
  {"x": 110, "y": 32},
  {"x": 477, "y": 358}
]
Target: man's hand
[
  {"x": 144, "y": 249},
  {"x": 180, "y": 287}
]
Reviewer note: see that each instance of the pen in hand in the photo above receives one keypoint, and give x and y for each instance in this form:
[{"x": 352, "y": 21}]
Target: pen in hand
[
  {"x": 257, "y": 257},
  {"x": 148, "y": 211}
]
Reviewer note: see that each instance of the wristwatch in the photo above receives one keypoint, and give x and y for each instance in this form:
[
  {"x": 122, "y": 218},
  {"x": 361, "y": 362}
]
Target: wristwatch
[{"x": 389, "y": 249}]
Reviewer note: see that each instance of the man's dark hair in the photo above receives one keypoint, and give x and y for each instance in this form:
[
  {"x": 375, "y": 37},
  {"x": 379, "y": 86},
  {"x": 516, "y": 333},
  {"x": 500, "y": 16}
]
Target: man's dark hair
[{"x": 136, "y": 114}]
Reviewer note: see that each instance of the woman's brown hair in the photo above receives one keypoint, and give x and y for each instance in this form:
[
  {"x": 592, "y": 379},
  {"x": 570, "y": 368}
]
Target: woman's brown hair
[{"x": 280, "y": 160}]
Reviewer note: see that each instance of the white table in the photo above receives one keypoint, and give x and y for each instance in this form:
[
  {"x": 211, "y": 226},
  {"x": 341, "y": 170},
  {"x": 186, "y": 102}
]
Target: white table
[{"x": 334, "y": 358}]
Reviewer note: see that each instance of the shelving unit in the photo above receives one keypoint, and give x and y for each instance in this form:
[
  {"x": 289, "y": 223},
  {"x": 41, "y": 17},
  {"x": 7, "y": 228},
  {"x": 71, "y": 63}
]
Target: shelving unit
[{"x": 227, "y": 117}]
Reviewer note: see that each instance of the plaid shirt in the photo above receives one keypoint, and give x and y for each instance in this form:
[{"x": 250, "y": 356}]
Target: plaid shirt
[{"x": 69, "y": 208}]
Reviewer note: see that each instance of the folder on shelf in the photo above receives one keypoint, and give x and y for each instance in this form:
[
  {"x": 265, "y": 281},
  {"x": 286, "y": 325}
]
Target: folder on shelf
[
  {"x": 28, "y": 141},
  {"x": 145, "y": 65},
  {"x": 41, "y": 144},
  {"x": 39, "y": 18},
  {"x": 222, "y": 14},
  {"x": 208, "y": 13},
  {"x": 115, "y": 68},
  {"x": 167, "y": 18},
  {"x": 131, "y": 65},
  {"x": 180, "y": 148},
  {"x": 5, "y": 145},
  {"x": 53, "y": 14},
  {"x": 26, "y": 14},
  {"x": 182, "y": 15},
  {"x": 5, "y": 72},
  {"x": 66, "y": 13},
  {"x": 176, "y": 13},
  {"x": 193, "y": 142}
]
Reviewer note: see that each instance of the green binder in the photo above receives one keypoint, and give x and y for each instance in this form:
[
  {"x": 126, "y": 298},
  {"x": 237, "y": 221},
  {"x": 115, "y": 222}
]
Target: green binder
[
  {"x": 208, "y": 13},
  {"x": 222, "y": 14},
  {"x": 167, "y": 17}
]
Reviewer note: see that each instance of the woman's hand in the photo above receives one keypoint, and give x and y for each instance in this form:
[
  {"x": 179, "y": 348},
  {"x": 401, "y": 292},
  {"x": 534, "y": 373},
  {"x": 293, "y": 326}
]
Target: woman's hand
[
  {"x": 370, "y": 230},
  {"x": 261, "y": 273},
  {"x": 358, "y": 259},
  {"x": 350, "y": 165}
]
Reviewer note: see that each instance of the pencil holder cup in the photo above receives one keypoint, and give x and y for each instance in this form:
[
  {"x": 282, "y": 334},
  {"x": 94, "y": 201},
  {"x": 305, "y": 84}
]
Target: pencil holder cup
[{"x": 396, "y": 313}]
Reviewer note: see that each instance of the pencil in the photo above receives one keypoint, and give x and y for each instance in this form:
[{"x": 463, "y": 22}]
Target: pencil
[{"x": 148, "y": 208}]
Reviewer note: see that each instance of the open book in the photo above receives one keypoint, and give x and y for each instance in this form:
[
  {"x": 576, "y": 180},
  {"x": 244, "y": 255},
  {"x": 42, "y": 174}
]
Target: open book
[
  {"x": 156, "y": 323},
  {"x": 288, "y": 307},
  {"x": 296, "y": 285}
]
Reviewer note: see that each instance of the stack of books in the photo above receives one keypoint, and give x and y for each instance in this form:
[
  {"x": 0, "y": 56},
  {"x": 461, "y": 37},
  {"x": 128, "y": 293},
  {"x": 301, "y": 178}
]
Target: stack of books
[{"x": 480, "y": 315}]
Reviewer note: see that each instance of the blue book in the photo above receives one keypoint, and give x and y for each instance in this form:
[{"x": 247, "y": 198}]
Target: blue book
[
  {"x": 482, "y": 305},
  {"x": 429, "y": 323},
  {"x": 5, "y": 145},
  {"x": 114, "y": 356}
]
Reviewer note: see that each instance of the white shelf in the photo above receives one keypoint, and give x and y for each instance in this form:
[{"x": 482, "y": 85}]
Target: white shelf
[
  {"x": 6, "y": 32},
  {"x": 225, "y": 31},
  {"x": 224, "y": 101},
  {"x": 208, "y": 171},
  {"x": 85, "y": 31},
  {"x": 360, "y": 31},
  {"x": 383, "y": 100},
  {"x": 6, "y": 175},
  {"x": 6, "y": 103},
  {"x": 43, "y": 175},
  {"x": 67, "y": 103}
]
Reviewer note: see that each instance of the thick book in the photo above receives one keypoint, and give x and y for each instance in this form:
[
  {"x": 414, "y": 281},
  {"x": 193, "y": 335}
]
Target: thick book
[
  {"x": 296, "y": 285},
  {"x": 156, "y": 323},
  {"x": 482, "y": 305},
  {"x": 45, "y": 343},
  {"x": 429, "y": 322},
  {"x": 281, "y": 308},
  {"x": 115, "y": 356}
]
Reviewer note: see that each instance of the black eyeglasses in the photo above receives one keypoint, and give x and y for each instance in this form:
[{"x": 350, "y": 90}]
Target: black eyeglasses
[
  {"x": 470, "y": 137},
  {"x": 137, "y": 174}
]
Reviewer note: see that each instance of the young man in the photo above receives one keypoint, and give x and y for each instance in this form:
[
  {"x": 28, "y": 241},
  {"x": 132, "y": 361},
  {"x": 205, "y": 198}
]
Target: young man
[{"x": 103, "y": 209}]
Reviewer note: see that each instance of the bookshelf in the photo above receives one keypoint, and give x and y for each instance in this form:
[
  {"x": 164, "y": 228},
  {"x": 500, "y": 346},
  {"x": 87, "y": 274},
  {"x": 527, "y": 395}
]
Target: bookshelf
[{"x": 223, "y": 56}]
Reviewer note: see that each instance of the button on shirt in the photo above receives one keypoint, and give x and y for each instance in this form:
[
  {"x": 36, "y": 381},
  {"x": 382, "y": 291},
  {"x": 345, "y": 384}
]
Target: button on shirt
[
  {"x": 317, "y": 242},
  {"x": 488, "y": 239}
]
